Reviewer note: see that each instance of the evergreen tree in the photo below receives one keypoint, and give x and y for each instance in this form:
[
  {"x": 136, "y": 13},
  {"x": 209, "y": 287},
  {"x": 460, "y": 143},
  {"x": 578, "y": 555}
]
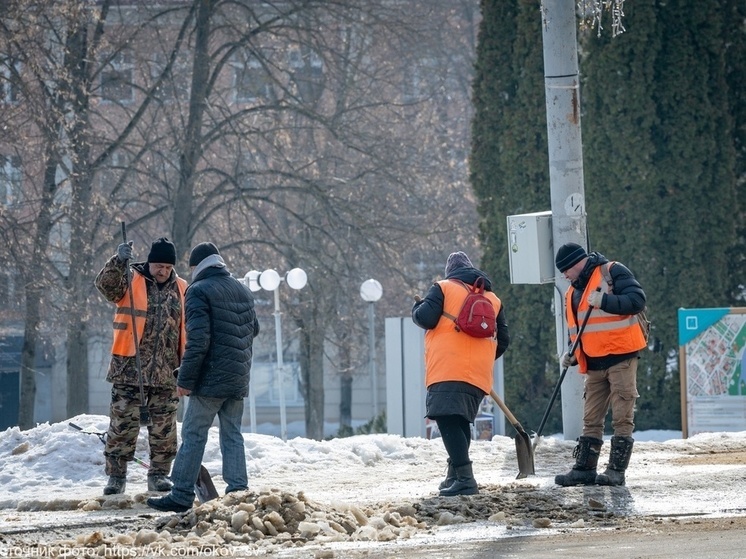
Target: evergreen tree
[
  {"x": 510, "y": 175},
  {"x": 663, "y": 143},
  {"x": 618, "y": 126},
  {"x": 734, "y": 13}
]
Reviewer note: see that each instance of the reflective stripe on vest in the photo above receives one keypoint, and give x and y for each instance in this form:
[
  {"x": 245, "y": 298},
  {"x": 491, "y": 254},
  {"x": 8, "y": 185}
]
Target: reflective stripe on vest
[
  {"x": 124, "y": 341},
  {"x": 604, "y": 333},
  {"x": 452, "y": 355}
]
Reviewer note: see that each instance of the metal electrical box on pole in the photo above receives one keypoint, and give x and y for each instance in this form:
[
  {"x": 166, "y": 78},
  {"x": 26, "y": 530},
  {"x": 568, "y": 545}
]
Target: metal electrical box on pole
[
  {"x": 562, "y": 88},
  {"x": 530, "y": 251}
]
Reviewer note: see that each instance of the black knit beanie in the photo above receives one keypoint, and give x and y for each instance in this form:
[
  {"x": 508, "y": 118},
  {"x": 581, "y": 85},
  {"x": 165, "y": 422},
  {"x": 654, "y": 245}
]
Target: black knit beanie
[
  {"x": 568, "y": 255},
  {"x": 202, "y": 251},
  {"x": 162, "y": 251},
  {"x": 457, "y": 260}
]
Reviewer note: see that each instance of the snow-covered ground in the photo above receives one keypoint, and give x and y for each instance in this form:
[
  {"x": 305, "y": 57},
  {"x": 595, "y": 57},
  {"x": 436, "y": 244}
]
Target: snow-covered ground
[{"x": 362, "y": 490}]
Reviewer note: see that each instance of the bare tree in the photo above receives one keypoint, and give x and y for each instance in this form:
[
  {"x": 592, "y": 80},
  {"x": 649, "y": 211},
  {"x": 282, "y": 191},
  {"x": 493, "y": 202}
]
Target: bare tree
[{"x": 293, "y": 133}]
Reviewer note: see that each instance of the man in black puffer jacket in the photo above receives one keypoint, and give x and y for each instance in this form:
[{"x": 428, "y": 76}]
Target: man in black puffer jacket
[{"x": 221, "y": 325}]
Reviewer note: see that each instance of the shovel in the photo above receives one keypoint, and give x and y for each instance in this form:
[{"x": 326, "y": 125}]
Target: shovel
[
  {"x": 145, "y": 419},
  {"x": 204, "y": 488},
  {"x": 561, "y": 378},
  {"x": 523, "y": 448}
]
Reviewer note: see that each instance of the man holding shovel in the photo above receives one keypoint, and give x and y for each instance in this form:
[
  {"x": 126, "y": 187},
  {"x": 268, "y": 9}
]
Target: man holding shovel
[
  {"x": 603, "y": 298},
  {"x": 149, "y": 340}
]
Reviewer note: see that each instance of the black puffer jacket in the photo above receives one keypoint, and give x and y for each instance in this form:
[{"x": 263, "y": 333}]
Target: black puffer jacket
[
  {"x": 628, "y": 296},
  {"x": 221, "y": 325}
]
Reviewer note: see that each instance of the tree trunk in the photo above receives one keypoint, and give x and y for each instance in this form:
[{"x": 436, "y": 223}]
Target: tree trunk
[
  {"x": 312, "y": 375},
  {"x": 345, "y": 403},
  {"x": 183, "y": 228},
  {"x": 33, "y": 294}
]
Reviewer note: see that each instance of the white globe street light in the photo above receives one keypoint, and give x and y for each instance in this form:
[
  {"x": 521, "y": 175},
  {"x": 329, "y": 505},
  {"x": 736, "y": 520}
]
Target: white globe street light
[
  {"x": 270, "y": 280},
  {"x": 371, "y": 291},
  {"x": 251, "y": 279}
]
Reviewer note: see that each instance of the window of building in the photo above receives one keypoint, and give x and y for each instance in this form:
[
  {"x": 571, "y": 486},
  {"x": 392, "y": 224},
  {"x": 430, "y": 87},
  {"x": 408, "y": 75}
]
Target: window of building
[
  {"x": 307, "y": 69},
  {"x": 112, "y": 173},
  {"x": 9, "y": 84},
  {"x": 116, "y": 78},
  {"x": 251, "y": 82},
  {"x": 11, "y": 180},
  {"x": 177, "y": 84}
]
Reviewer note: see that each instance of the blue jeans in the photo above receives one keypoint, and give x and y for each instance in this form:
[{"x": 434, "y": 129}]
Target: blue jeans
[{"x": 198, "y": 418}]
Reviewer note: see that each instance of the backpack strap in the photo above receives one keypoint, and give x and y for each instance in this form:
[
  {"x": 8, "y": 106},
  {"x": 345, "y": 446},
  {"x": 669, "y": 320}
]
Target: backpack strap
[
  {"x": 477, "y": 287},
  {"x": 605, "y": 267}
]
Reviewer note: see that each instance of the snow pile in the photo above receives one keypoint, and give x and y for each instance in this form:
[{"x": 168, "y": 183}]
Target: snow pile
[{"x": 368, "y": 490}]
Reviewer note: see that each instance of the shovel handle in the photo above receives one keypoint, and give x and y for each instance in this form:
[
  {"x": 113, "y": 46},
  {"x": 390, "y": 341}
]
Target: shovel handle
[
  {"x": 504, "y": 409},
  {"x": 562, "y": 376}
]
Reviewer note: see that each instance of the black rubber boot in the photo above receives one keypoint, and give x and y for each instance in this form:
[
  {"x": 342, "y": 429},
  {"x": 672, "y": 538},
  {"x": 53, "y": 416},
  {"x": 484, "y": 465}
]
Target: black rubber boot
[
  {"x": 621, "y": 451},
  {"x": 159, "y": 482},
  {"x": 465, "y": 483},
  {"x": 586, "y": 459},
  {"x": 115, "y": 485},
  {"x": 450, "y": 477}
]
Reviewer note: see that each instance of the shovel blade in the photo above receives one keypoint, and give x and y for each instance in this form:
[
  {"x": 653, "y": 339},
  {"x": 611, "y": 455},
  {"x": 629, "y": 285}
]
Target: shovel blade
[
  {"x": 525, "y": 454},
  {"x": 205, "y": 488}
]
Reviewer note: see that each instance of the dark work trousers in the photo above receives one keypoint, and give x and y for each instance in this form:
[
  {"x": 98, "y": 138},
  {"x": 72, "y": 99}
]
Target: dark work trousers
[{"x": 456, "y": 435}]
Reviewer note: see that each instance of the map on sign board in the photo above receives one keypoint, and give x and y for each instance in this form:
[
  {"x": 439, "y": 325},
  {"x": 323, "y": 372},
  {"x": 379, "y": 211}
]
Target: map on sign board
[{"x": 713, "y": 369}]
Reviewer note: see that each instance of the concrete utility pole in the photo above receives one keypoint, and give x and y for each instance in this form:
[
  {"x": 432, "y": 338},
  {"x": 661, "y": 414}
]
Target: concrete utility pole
[{"x": 562, "y": 85}]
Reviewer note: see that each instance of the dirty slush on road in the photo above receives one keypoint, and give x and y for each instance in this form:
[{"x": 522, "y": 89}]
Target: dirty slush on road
[{"x": 272, "y": 520}]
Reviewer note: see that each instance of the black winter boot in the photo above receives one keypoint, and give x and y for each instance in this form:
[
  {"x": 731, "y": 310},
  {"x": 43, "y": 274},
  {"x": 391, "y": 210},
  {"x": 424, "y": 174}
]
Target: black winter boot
[
  {"x": 465, "y": 483},
  {"x": 586, "y": 459},
  {"x": 621, "y": 450},
  {"x": 115, "y": 485},
  {"x": 159, "y": 482},
  {"x": 450, "y": 477}
]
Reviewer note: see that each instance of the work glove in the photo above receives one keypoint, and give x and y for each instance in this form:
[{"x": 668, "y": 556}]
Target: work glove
[
  {"x": 568, "y": 360},
  {"x": 595, "y": 299},
  {"x": 124, "y": 251}
]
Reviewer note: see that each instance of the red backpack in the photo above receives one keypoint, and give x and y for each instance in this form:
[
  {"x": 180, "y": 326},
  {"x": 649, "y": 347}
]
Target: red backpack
[{"x": 477, "y": 315}]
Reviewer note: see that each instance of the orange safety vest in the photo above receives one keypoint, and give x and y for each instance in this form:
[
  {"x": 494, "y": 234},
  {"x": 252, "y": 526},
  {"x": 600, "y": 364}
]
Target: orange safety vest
[
  {"x": 605, "y": 333},
  {"x": 451, "y": 355},
  {"x": 124, "y": 341}
]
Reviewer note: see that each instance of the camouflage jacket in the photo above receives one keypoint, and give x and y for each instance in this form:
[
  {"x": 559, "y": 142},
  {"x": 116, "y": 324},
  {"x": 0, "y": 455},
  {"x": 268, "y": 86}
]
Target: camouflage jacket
[{"x": 159, "y": 346}]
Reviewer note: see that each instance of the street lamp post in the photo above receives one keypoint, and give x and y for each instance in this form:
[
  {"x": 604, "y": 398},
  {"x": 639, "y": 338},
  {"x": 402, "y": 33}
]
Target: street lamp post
[
  {"x": 270, "y": 280},
  {"x": 371, "y": 291}
]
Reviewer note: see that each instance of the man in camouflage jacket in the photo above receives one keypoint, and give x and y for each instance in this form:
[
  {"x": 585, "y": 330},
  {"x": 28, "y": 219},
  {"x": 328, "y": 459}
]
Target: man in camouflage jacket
[{"x": 159, "y": 296}]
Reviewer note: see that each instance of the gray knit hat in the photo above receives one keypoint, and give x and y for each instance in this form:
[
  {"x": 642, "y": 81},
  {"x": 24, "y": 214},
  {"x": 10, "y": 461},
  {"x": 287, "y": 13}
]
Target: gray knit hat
[{"x": 457, "y": 260}]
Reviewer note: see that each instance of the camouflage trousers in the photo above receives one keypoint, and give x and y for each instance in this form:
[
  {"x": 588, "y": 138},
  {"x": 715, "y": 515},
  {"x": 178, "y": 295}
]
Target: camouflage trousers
[{"x": 124, "y": 428}]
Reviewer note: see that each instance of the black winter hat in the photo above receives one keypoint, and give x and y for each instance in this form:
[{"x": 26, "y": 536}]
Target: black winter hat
[
  {"x": 162, "y": 251},
  {"x": 202, "y": 251},
  {"x": 457, "y": 260},
  {"x": 568, "y": 255}
]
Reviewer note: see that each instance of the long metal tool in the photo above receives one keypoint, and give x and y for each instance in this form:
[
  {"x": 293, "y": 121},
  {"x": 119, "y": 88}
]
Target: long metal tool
[
  {"x": 574, "y": 346},
  {"x": 145, "y": 419},
  {"x": 204, "y": 488},
  {"x": 524, "y": 451}
]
